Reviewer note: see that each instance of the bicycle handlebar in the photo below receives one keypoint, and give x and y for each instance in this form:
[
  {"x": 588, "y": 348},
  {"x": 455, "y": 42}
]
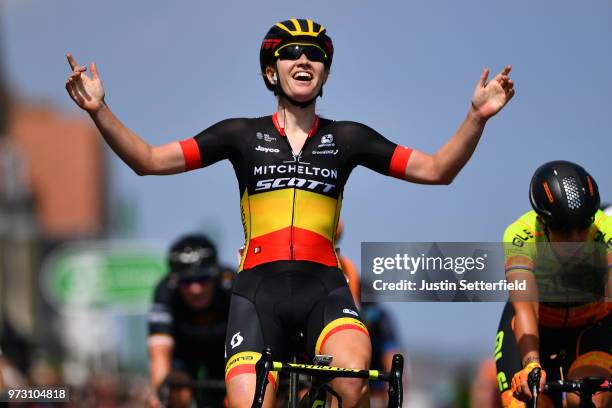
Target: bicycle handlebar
[
  {"x": 586, "y": 387},
  {"x": 265, "y": 365},
  {"x": 597, "y": 384}
]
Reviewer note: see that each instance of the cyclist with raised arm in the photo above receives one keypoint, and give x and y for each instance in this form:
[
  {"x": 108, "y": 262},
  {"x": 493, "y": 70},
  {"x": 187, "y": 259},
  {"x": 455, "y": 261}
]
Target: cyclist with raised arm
[
  {"x": 291, "y": 169},
  {"x": 187, "y": 322},
  {"x": 563, "y": 249}
]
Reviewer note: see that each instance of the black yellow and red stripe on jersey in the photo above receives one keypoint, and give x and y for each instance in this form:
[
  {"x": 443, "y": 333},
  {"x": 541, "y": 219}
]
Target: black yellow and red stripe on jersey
[{"x": 290, "y": 201}]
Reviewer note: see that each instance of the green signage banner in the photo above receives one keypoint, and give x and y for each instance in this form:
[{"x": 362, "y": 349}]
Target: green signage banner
[{"x": 103, "y": 275}]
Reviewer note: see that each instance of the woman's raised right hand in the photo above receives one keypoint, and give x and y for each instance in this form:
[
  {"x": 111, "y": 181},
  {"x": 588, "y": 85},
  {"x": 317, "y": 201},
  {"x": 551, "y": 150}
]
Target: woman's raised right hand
[{"x": 87, "y": 92}]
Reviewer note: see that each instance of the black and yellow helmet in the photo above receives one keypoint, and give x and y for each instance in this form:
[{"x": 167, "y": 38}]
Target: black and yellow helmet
[{"x": 294, "y": 30}]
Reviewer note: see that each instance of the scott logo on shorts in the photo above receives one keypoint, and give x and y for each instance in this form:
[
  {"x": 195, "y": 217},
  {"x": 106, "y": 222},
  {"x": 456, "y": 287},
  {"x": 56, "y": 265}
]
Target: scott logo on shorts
[{"x": 236, "y": 340}]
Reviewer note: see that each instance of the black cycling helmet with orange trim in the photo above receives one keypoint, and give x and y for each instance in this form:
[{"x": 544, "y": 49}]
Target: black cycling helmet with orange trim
[
  {"x": 294, "y": 31},
  {"x": 564, "y": 195}
]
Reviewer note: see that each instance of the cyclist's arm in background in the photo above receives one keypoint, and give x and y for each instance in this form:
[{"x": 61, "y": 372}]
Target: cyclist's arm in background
[
  {"x": 519, "y": 251},
  {"x": 161, "y": 339},
  {"x": 519, "y": 265},
  {"x": 526, "y": 331},
  {"x": 161, "y": 347}
]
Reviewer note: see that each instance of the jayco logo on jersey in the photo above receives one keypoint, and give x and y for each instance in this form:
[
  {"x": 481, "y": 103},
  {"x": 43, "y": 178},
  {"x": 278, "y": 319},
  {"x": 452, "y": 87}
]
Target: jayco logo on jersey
[
  {"x": 266, "y": 149},
  {"x": 265, "y": 137},
  {"x": 236, "y": 340},
  {"x": 349, "y": 311}
]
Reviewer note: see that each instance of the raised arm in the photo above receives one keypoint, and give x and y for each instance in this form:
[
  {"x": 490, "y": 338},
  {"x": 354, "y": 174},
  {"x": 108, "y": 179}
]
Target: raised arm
[
  {"x": 443, "y": 166},
  {"x": 88, "y": 93}
]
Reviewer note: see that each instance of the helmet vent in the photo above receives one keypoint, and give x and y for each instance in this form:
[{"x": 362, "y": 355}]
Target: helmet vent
[{"x": 572, "y": 192}]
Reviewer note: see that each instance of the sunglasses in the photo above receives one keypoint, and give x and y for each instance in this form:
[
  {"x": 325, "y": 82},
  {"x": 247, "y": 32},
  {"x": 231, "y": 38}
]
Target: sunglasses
[
  {"x": 294, "y": 51},
  {"x": 188, "y": 280}
]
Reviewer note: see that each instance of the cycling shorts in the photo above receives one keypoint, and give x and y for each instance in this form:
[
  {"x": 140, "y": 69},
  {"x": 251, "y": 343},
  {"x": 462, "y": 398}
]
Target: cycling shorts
[{"x": 274, "y": 301}]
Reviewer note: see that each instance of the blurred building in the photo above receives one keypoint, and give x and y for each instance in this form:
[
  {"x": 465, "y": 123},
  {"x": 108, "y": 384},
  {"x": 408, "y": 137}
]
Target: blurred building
[
  {"x": 62, "y": 159},
  {"x": 52, "y": 189}
]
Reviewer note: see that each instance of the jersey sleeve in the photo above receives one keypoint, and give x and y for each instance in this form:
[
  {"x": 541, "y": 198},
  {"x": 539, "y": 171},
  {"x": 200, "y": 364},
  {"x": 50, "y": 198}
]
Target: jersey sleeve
[
  {"x": 218, "y": 142},
  {"x": 603, "y": 223},
  {"x": 519, "y": 247},
  {"x": 371, "y": 149},
  {"x": 160, "y": 316}
]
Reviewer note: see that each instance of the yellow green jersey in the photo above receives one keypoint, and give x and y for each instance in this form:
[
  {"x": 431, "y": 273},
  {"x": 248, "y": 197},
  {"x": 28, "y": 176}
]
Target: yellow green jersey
[{"x": 572, "y": 288}]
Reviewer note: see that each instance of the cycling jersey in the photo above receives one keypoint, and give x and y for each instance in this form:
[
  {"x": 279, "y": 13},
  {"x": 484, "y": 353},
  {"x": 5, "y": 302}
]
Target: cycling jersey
[
  {"x": 582, "y": 279},
  {"x": 290, "y": 201}
]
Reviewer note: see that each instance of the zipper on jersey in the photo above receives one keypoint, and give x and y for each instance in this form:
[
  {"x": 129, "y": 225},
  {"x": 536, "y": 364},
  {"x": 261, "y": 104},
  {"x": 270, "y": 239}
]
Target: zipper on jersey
[
  {"x": 314, "y": 128},
  {"x": 291, "y": 248},
  {"x": 291, "y": 229}
]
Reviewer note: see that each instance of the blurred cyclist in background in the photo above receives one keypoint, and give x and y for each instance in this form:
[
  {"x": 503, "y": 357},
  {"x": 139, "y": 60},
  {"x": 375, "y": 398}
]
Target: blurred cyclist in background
[
  {"x": 563, "y": 247},
  {"x": 188, "y": 319},
  {"x": 292, "y": 167},
  {"x": 380, "y": 325}
]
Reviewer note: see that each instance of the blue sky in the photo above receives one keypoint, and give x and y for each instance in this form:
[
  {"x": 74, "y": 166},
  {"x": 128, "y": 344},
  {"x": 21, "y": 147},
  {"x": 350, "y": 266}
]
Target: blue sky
[{"x": 405, "y": 68}]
